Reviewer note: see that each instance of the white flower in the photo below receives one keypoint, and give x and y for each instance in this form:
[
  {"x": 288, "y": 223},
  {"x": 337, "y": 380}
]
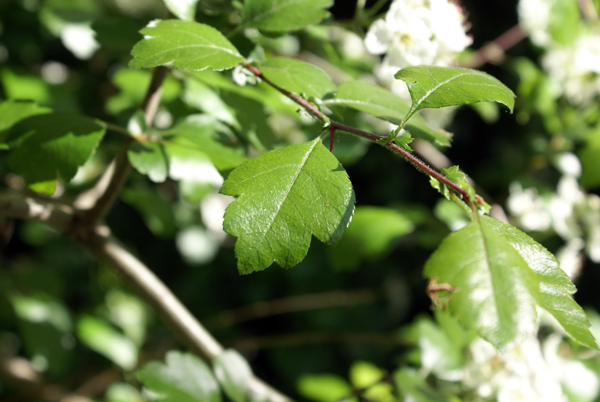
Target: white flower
[
  {"x": 529, "y": 208},
  {"x": 534, "y": 16},
  {"x": 416, "y": 32},
  {"x": 576, "y": 68}
]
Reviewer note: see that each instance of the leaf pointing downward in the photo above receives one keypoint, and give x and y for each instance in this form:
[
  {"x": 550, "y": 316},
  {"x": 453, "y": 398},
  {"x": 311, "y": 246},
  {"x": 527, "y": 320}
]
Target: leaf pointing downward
[
  {"x": 285, "y": 196},
  {"x": 501, "y": 275}
]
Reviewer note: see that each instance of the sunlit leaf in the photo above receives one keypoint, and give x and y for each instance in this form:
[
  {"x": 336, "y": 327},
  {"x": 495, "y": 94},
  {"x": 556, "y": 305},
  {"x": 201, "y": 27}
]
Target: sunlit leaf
[
  {"x": 234, "y": 374},
  {"x": 285, "y": 196},
  {"x": 435, "y": 87},
  {"x": 183, "y": 9},
  {"x": 182, "y": 378},
  {"x": 493, "y": 283},
  {"x": 323, "y": 387},
  {"x": 555, "y": 286},
  {"x": 102, "y": 337},
  {"x": 283, "y": 15},
  {"x": 188, "y": 45},
  {"x": 297, "y": 76},
  {"x": 381, "y": 103}
]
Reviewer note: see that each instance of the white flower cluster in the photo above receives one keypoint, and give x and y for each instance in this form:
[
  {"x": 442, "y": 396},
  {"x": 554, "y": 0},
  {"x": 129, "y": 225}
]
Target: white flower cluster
[
  {"x": 571, "y": 213},
  {"x": 416, "y": 32},
  {"x": 576, "y": 66},
  {"x": 532, "y": 371}
]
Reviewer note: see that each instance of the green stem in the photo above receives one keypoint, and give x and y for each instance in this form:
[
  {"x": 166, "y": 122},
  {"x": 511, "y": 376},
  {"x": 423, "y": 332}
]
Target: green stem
[{"x": 376, "y": 7}]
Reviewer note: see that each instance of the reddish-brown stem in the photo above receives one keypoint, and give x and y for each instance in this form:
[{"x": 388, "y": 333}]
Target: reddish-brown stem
[
  {"x": 494, "y": 51},
  {"x": 332, "y": 134},
  {"x": 334, "y": 125}
]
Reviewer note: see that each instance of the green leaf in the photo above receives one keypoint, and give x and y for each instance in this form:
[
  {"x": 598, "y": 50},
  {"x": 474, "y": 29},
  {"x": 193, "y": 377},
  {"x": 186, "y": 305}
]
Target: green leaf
[
  {"x": 149, "y": 159},
  {"x": 369, "y": 236},
  {"x": 499, "y": 284},
  {"x": 555, "y": 287},
  {"x": 435, "y": 87},
  {"x": 13, "y": 111},
  {"x": 323, "y": 387},
  {"x": 494, "y": 284},
  {"x": 156, "y": 211},
  {"x": 182, "y": 9},
  {"x": 59, "y": 143},
  {"x": 100, "y": 336},
  {"x": 182, "y": 378},
  {"x": 411, "y": 383},
  {"x": 298, "y": 77},
  {"x": 234, "y": 374},
  {"x": 201, "y": 133},
  {"x": 385, "y": 105},
  {"x": 188, "y": 45},
  {"x": 283, "y": 15},
  {"x": 285, "y": 196}
]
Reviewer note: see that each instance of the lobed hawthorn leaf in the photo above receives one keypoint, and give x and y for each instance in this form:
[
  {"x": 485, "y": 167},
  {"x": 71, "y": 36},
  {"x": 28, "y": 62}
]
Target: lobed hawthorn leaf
[
  {"x": 182, "y": 378},
  {"x": 182, "y": 9},
  {"x": 555, "y": 287},
  {"x": 188, "y": 45},
  {"x": 59, "y": 143},
  {"x": 13, "y": 111},
  {"x": 435, "y": 87},
  {"x": 283, "y": 15},
  {"x": 234, "y": 375},
  {"x": 298, "y": 77},
  {"x": 381, "y": 103},
  {"x": 504, "y": 277},
  {"x": 285, "y": 196}
]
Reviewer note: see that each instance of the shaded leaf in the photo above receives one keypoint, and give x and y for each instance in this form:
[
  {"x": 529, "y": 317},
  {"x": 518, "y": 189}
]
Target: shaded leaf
[
  {"x": 435, "y": 87},
  {"x": 188, "y": 45},
  {"x": 285, "y": 196},
  {"x": 494, "y": 285},
  {"x": 234, "y": 374},
  {"x": 283, "y": 15},
  {"x": 182, "y": 378},
  {"x": 12, "y": 111},
  {"x": 298, "y": 77},
  {"x": 59, "y": 143},
  {"x": 149, "y": 159},
  {"x": 555, "y": 287},
  {"x": 385, "y": 105},
  {"x": 182, "y": 9},
  {"x": 369, "y": 236}
]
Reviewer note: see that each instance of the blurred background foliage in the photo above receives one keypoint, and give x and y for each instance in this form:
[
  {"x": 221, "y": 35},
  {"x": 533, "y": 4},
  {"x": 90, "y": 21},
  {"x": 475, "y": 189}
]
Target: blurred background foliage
[{"x": 346, "y": 316}]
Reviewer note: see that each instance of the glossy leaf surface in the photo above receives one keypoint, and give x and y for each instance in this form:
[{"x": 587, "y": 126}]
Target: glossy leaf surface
[
  {"x": 285, "y": 196},
  {"x": 182, "y": 378},
  {"x": 435, "y": 87},
  {"x": 381, "y": 103},
  {"x": 554, "y": 285},
  {"x": 494, "y": 284},
  {"x": 298, "y": 77},
  {"x": 283, "y": 15},
  {"x": 188, "y": 45},
  {"x": 500, "y": 276}
]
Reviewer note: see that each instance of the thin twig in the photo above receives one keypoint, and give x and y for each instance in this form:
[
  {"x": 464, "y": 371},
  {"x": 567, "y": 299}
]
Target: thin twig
[
  {"x": 494, "y": 51},
  {"x": 307, "y": 338},
  {"x": 150, "y": 288},
  {"x": 106, "y": 192},
  {"x": 295, "y": 304},
  {"x": 412, "y": 159}
]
